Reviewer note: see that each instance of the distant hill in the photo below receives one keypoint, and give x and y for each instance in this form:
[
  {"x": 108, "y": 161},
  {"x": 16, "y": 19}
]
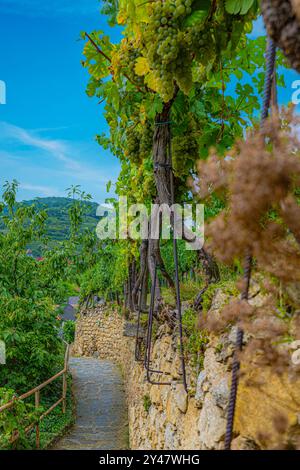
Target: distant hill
[{"x": 57, "y": 224}]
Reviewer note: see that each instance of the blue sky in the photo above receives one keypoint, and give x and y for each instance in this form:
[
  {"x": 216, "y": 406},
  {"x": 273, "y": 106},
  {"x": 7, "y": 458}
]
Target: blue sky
[{"x": 48, "y": 125}]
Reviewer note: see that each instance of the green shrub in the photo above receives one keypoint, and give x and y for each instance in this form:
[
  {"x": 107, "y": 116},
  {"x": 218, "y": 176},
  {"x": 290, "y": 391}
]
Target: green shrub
[
  {"x": 34, "y": 351},
  {"x": 15, "y": 419},
  {"x": 24, "y": 414},
  {"x": 54, "y": 425},
  {"x": 69, "y": 331}
]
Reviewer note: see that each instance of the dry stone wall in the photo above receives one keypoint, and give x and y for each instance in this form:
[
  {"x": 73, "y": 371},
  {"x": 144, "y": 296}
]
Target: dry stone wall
[
  {"x": 99, "y": 333},
  {"x": 166, "y": 417}
]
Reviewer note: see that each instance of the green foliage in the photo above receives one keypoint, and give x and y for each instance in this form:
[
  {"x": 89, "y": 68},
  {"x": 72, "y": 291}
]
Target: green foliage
[
  {"x": 108, "y": 274},
  {"x": 16, "y": 419},
  {"x": 195, "y": 340},
  {"x": 193, "y": 62},
  {"x": 147, "y": 403},
  {"x": 241, "y": 7},
  {"x": 228, "y": 287},
  {"x": 30, "y": 289},
  {"x": 56, "y": 423},
  {"x": 110, "y": 8},
  {"x": 188, "y": 291},
  {"x": 28, "y": 322},
  {"x": 191, "y": 53},
  {"x": 33, "y": 350},
  {"x": 213, "y": 206},
  {"x": 180, "y": 39},
  {"x": 204, "y": 49},
  {"x": 69, "y": 331},
  {"x": 186, "y": 259},
  {"x": 219, "y": 348},
  {"x": 57, "y": 223},
  {"x": 24, "y": 413}
]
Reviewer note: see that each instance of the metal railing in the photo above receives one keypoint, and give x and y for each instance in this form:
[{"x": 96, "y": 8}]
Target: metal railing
[{"x": 36, "y": 392}]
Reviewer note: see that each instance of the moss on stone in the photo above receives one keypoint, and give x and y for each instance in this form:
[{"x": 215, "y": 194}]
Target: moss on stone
[
  {"x": 228, "y": 287},
  {"x": 147, "y": 403},
  {"x": 195, "y": 340}
]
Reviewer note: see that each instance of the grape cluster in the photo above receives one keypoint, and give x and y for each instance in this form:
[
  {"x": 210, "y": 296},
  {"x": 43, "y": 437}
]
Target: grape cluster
[
  {"x": 165, "y": 45},
  {"x": 170, "y": 45},
  {"x": 127, "y": 56},
  {"x": 138, "y": 143},
  {"x": 132, "y": 150},
  {"x": 201, "y": 41},
  {"x": 283, "y": 27},
  {"x": 146, "y": 141},
  {"x": 185, "y": 152}
]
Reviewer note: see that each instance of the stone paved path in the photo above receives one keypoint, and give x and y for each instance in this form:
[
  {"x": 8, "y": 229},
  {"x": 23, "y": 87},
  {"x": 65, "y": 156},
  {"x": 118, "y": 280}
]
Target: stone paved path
[{"x": 101, "y": 414}]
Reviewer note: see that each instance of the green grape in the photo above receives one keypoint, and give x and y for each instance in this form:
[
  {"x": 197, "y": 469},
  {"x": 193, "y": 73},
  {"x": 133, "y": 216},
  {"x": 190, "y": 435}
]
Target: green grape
[
  {"x": 185, "y": 151},
  {"x": 170, "y": 46}
]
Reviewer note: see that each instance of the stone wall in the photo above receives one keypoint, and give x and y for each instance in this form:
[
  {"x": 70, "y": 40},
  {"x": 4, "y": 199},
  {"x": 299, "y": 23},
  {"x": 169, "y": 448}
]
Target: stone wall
[
  {"x": 99, "y": 333},
  {"x": 174, "y": 419},
  {"x": 166, "y": 417}
]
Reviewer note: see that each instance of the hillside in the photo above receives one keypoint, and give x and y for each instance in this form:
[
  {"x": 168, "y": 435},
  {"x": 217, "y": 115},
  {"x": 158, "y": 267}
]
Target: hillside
[{"x": 58, "y": 227}]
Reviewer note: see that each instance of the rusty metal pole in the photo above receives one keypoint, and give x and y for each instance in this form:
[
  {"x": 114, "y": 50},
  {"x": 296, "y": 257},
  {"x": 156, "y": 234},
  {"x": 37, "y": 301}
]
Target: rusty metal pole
[{"x": 176, "y": 264}]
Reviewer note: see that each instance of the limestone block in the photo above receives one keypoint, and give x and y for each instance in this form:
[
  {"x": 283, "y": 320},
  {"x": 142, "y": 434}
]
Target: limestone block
[
  {"x": 211, "y": 365},
  {"x": 257, "y": 407},
  {"x": 199, "y": 396},
  {"x": 155, "y": 396},
  {"x": 171, "y": 438},
  {"x": 189, "y": 432},
  {"x": 211, "y": 424},
  {"x": 243, "y": 443},
  {"x": 181, "y": 398},
  {"x": 220, "y": 392},
  {"x": 219, "y": 300},
  {"x": 173, "y": 414}
]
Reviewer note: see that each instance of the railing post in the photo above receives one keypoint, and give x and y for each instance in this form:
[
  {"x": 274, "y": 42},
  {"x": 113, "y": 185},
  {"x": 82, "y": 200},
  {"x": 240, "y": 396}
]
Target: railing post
[
  {"x": 64, "y": 393},
  {"x": 37, "y": 427},
  {"x": 36, "y": 392}
]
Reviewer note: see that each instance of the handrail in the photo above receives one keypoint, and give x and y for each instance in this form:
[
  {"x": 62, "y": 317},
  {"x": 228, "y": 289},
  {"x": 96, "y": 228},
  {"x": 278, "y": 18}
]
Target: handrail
[{"x": 36, "y": 391}]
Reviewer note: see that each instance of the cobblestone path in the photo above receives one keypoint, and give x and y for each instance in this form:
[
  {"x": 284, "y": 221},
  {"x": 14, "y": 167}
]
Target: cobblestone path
[{"x": 101, "y": 413}]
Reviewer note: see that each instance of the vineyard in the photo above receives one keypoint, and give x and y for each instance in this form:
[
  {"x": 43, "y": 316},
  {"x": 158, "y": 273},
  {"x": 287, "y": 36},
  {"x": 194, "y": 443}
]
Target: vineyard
[{"x": 191, "y": 102}]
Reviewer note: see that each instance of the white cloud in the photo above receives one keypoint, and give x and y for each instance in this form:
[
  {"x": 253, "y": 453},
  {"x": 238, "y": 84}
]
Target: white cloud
[
  {"x": 26, "y": 155},
  {"x": 55, "y": 147},
  {"x": 44, "y": 191}
]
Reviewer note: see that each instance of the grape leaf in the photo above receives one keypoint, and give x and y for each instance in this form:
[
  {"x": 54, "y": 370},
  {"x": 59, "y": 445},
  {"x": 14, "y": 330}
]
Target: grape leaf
[
  {"x": 142, "y": 66},
  {"x": 246, "y": 5},
  {"x": 235, "y": 7},
  {"x": 196, "y": 17},
  {"x": 108, "y": 186}
]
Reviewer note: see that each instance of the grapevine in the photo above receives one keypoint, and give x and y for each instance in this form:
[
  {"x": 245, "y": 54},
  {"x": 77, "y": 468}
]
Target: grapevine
[{"x": 176, "y": 34}]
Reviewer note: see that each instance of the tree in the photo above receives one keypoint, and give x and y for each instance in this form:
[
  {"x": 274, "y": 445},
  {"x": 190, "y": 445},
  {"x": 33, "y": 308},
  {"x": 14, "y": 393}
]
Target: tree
[{"x": 28, "y": 323}]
